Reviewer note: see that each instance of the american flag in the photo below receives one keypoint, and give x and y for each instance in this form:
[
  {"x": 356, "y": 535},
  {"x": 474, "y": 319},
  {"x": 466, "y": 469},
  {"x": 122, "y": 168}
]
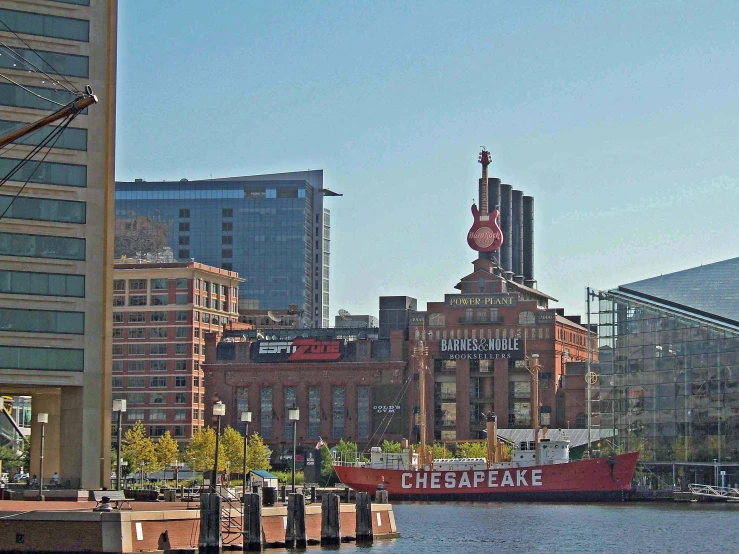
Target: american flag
[{"x": 320, "y": 443}]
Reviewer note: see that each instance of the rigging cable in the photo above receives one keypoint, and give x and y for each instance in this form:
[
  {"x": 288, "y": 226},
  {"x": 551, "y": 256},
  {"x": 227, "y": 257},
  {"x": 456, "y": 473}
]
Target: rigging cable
[
  {"x": 34, "y": 51},
  {"x": 30, "y": 91},
  {"x": 18, "y": 57},
  {"x": 55, "y": 136}
]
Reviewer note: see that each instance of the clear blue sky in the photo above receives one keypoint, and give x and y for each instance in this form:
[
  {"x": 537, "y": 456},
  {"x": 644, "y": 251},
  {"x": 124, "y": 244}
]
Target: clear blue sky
[{"x": 620, "y": 118}]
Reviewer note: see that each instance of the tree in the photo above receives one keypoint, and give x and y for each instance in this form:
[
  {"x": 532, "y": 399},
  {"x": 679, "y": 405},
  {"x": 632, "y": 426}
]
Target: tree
[
  {"x": 258, "y": 455},
  {"x": 137, "y": 447},
  {"x": 202, "y": 449},
  {"x": 440, "y": 452},
  {"x": 167, "y": 451},
  {"x": 391, "y": 447},
  {"x": 11, "y": 460},
  {"x": 345, "y": 451},
  {"x": 472, "y": 450},
  {"x": 231, "y": 449}
]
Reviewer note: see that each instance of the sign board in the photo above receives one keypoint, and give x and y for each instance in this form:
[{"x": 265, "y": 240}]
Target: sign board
[
  {"x": 417, "y": 319},
  {"x": 480, "y": 300},
  {"x": 546, "y": 316},
  {"x": 481, "y": 349},
  {"x": 296, "y": 350}
]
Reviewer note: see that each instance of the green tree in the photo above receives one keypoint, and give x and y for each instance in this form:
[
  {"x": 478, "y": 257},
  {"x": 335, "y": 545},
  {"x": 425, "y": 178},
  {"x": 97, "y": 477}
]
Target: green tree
[
  {"x": 345, "y": 451},
  {"x": 440, "y": 452},
  {"x": 391, "y": 447},
  {"x": 138, "y": 448},
  {"x": 11, "y": 460},
  {"x": 231, "y": 449},
  {"x": 258, "y": 455},
  {"x": 167, "y": 451},
  {"x": 201, "y": 450},
  {"x": 472, "y": 450}
]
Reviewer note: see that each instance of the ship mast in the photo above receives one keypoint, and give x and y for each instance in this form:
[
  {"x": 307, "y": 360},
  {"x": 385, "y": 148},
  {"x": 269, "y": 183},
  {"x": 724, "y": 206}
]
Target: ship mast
[
  {"x": 532, "y": 364},
  {"x": 420, "y": 353}
]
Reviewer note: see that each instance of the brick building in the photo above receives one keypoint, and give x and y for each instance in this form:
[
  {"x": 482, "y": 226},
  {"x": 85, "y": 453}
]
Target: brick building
[{"x": 161, "y": 312}]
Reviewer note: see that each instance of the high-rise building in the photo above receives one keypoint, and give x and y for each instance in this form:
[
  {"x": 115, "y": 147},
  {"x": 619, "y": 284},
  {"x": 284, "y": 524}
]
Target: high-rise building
[
  {"x": 56, "y": 238},
  {"x": 271, "y": 229},
  {"x": 161, "y": 312}
]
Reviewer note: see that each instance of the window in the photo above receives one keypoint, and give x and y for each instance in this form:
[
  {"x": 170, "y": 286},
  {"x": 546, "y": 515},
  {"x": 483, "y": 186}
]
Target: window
[
  {"x": 224, "y": 306},
  {"x": 135, "y": 332},
  {"x": 227, "y": 239},
  {"x": 157, "y": 415},
  {"x": 227, "y": 212},
  {"x": 197, "y": 301},
  {"x": 233, "y": 307},
  {"x": 158, "y": 397},
  {"x": 197, "y": 284},
  {"x": 180, "y": 381},
  {"x": 180, "y": 349},
  {"x": 216, "y": 319},
  {"x": 42, "y": 209},
  {"x": 136, "y": 349},
  {"x": 136, "y": 382},
  {"x": 158, "y": 365},
  {"x": 181, "y": 332},
  {"x": 119, "y": 300},
  {"x": 137, "y": 300},
  {"x": 181, "y": 283},
  {"x": 117, "y": 317},
  {"x": 242, "y": 405},
  {"x": 183, "y": 254},
  {"x": 206, "y": 302},
  {"x": 159, "y": 284},
  {"x": 157, "y": 430},
  {"x": 46, "y": 25},
  {"x": 206, "y": 317},
  {"x": 265, "y": 412},
  {"x": 184, "y": 213},
  {"x": 159, "y": 299},
  {"x": 180, "y": 415},
  {"x": 181, "y": 317},
  {"x": 227, "y": 253},
  {"x": 179, "y": 430},
  {"x": 136, "y": 414},
  {"x": 157, "y": 382},
  {"x": 184, "y": 240},
  {"x": 41, "y": 246},
  {"x": 214, "y": 288},
  {"x": 136, "y": 366},
  {"x": 70, "y": 139},
  {"x": 314, "y": 412},
  {"x": 181, "y": 299},
  {"x": 158, "y": 316},
  {"x": 118, "y": 333},
  {"x": 227, "y": 226},
  {"x": 180, "y": 398},
  {"x": 228, "y": 266},
  {"x": 363, "y": 412},
  {"x": 137, "y": 284},
  {"x": 118, "y": 366},
  {"x": 158, "y": 349},
  {"x": 119, "y": 285},
  {"x": 25, "y": 357},
  {"x": 196, "y": 415},
  {"x": 184, "y": 226},
  {"x": 290, "y": 400},
  {"x": 196, "y": 398},
  {"x": 197, "y": 349},
  {"x": 136, "y": 317},
  {"x": 338, "y": 411},
  {"x": 196, "y": 316},
  {"x": 10, "y": 95},
  {"x": 42, "y": 321},
  {"x": 197, "y": 332},
  {"x": 158, "y": 333},
  {"x": 224, "y": 290},
  {"x": 135, "y": 397},
  {"x": 180, "y": 365}
]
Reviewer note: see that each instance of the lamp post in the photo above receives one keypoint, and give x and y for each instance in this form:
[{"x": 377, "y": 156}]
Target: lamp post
[
  {"x": 219, "y": 410},
  {"x": 246, "y": 420},
  {"x": 124, "y": 464},
  {"x": 43, "y": 419},
  {"x": 293, "y": 415},
  {"x": 119, "y": 406}
]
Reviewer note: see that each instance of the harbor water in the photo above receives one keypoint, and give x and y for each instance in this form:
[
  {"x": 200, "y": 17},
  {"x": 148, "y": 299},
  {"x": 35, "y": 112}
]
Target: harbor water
[{"x": 509, "y": 528}]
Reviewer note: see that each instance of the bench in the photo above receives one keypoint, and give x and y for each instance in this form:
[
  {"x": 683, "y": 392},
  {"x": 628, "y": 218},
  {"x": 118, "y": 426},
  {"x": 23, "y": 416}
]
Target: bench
[{"x": 117, "y": 499}]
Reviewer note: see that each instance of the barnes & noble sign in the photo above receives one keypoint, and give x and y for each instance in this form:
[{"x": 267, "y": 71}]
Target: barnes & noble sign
[{"x": 481, "y": 349}]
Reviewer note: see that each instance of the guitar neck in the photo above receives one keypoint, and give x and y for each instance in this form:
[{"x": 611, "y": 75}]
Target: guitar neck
[{"x": 484, "y": 189}]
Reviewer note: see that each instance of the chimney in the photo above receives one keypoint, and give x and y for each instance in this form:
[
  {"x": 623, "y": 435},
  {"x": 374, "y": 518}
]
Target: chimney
[
  {"x": 516, "y": 237},
  {"x": 528, "y": 237},
  {"x": 505, "y": 225}
]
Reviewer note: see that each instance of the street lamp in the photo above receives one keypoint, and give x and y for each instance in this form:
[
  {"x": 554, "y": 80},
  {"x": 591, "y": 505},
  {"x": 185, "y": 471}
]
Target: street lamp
[
  {"x": 246, "y": 420},
  {"x": 293, "y": 414},
  {"x": 43, "y": 419},
  {"x": 120, "y": 407},
  {"x": 124, "y": 464},
  {"x": 219, "y": 410}
]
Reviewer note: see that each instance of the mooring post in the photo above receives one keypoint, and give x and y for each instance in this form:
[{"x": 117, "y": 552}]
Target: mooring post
[
  {"x": 347, "y": 495},
  {"x": 252, "y": 523},
  {"x": 211, "y": 539},
  {"x": 295, "y": 535},
  {"x": 364, "y": 518},
  {"x": 381, "y": 495},
  {"x": 313, "y": 495},
  {"x": 330, "y": 520}
]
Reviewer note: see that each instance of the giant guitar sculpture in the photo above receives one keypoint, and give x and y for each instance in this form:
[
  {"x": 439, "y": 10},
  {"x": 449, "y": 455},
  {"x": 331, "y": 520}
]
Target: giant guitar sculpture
[{"x": 485, "y": 235}]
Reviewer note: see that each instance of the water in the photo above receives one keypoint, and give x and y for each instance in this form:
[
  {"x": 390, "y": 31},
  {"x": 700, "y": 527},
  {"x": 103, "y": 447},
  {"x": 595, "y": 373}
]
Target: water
[{"x": 488, "y": 528}]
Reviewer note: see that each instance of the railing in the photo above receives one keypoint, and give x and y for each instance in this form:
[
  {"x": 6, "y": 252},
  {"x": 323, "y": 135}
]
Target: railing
[
  {"x": 230, "y": 522},
  {"x": 729, "y": 493}
]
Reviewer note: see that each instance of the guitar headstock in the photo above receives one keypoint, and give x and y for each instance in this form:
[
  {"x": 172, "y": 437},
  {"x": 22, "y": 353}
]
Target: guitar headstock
[{"x": 484, "y": 157}]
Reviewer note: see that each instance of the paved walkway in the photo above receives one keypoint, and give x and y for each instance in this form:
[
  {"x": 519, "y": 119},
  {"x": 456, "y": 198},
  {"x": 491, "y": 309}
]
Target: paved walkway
[{"x": 16, "y": 506}]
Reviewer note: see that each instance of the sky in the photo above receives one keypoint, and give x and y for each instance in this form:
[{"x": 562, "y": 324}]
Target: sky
[{"x": 621, "y": 119}]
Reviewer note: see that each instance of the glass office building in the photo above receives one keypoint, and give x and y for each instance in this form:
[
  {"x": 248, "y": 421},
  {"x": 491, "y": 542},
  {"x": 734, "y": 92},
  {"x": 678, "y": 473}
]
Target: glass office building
[
  {"x": 669, "y": 361},
  {"x": 272, "y": 229}
]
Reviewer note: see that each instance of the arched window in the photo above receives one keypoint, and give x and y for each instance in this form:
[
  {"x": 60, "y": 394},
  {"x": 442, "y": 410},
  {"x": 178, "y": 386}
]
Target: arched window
[
  {"x": 526, "y": 318},
  {"x": 581, "y": 422},
  {"x": 437, "y": 320}
]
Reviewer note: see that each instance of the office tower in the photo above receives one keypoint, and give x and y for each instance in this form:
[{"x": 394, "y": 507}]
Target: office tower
[
  {"x": 56, "y": 238},
  {"x": 271, "y": 229}
]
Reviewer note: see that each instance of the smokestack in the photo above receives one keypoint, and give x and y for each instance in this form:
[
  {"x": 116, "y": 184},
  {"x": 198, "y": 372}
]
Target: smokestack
[
  {"x": 505, "y": 225},
  {"x": 516, "y": 238},
  {"x": 528, "y": 237}
]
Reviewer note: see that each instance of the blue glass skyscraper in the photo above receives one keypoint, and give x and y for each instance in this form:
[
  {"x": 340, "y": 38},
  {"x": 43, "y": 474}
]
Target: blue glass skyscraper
[{"x": 272, "y": 229}]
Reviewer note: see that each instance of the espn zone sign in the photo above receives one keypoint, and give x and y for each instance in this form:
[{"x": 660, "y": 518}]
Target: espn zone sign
[{"x": 297, "y": 350}]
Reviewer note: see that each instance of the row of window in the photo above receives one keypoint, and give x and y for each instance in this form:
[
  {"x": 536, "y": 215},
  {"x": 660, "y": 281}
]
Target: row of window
[
  {"x": 42, "y": 321},
  {"x": 49, "y": 62},
  {"x": 162, "y": 317},
  {"x": 53, "y": 359},
  {"x": 139, "y": 366},
  {"x": 119, "y": 285},
  {"x": 30, "y": 97},
  {"x": 154, "y": 332},
  {"x": 154, "y": 300},
  {"x": 155, "y": 349},
  {"x": 249, "y": 193},
  {"x": 52, "y": 284},
  {"x": 180, "y": 382},
  {"x": 46, "y": 173},
  {"x": 42, "y": 209},
  {"x": 46, "y": 25},
  {"x": 71, "y": 138},
  {"x": 42, "y": 246}
]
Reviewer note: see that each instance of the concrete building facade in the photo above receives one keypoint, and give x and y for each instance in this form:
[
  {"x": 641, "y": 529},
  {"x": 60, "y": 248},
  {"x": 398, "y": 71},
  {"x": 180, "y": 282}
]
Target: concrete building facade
[
  {"x": 56, "y": 239},
  {"x": 161, "y": 314}
]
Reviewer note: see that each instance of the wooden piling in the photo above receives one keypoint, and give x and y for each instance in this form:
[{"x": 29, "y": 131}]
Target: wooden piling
[
  {"x": 381, "y": 496},
  {"x": 364, "y": 518},
  {"x": 253, "y": 523},
  {"x": 295, "y": 533},
  {"x": 211, "y": 540},
  {"x": 330, "y": 520}
]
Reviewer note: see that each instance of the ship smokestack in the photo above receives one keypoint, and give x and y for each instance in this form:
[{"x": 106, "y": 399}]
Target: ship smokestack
[
  {"x": 491, "y": 425},
  {"x": 506, "y": 219},
  {"x": 528, "y": 237}
]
